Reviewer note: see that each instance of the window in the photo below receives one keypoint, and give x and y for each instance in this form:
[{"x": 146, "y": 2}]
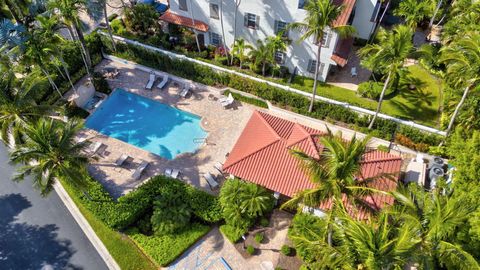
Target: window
[
  {"x": 182, "y": 5},
  {"x": 251, "y": 20},
  {"x": 302, "y": 3},
  {"x": 312, "y": 64},
  {"x": 281, "y": 27},
  {"x": 327, "y": 37},
  {"x": 214, "y": 11},
  {"x": 215, "y": 39},
  {"x": 280, "y": 57}
]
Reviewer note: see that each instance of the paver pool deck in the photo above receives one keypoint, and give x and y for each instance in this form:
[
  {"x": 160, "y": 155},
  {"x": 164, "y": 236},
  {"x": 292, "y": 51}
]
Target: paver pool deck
[{"x": 223, "y": 126}]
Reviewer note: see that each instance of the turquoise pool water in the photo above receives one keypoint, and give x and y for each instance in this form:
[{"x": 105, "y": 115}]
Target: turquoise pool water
[{"x": 147, "y": 124}]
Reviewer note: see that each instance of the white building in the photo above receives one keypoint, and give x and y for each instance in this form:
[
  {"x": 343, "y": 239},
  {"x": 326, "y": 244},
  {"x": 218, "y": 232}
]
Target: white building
[{"x": 258, "y": 19}]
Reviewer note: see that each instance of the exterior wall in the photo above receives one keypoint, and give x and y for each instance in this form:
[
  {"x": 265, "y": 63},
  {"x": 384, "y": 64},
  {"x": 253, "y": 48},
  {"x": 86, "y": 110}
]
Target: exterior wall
[
  {"x": 297, "y": 55},
  {"x": 363, "y": 14}
]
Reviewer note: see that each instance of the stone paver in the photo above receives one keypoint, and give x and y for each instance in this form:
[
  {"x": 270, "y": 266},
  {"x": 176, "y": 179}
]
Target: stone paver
[
  {"x": 342, "y": 76},
  {"x": 223, "y": 126}
]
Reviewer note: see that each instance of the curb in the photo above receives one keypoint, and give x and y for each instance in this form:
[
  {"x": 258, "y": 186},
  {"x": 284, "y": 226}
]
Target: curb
[{"x": 85, "y": 226}]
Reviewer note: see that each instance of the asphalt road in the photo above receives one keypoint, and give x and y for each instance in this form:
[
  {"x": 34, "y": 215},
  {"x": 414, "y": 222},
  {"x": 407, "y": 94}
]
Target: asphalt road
[{"x": 37, "y": 232}]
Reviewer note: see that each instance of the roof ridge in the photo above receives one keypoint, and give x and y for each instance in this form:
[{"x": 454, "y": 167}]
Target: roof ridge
[
  {"x": 302, "y": 129},
  {"x": 266, "y": 122},
  {"x": 380, "y": 160}
]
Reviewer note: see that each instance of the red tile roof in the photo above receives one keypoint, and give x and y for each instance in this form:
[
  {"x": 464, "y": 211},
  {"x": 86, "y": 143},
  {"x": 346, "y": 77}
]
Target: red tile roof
[
  {"x": 184, "y": 21},
  {"x": 262, "y": 155},
  {"x": 347, "y": 10}
]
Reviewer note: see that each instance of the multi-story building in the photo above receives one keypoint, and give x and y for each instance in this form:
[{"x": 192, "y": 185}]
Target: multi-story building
[{"x": 257, "y": 19}]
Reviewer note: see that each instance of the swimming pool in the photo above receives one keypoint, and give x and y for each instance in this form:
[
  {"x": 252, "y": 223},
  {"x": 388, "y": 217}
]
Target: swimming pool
[{"x": 147, "y": 124}]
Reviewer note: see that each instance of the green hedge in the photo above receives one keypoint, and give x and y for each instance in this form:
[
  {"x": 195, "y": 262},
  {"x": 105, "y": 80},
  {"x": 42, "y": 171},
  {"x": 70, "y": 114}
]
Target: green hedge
[
  {"x": 166, "y": 248},
  {"x": 131, "y": 207},
  {"x": 232, "y": 233},
  {"x": 254, "y": 101},
  {"x": 279, "y": 97}
]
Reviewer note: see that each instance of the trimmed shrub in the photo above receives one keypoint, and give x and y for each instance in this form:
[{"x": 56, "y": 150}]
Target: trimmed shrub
[
  {"x": 204, "y": 206},
  {"x": 286, "y": 250},
  {"x": 232, "y": 233},
  {"x": 264, "y": 222},
  {"x": 259, "y": 237},
  {"x": 171, "y": 211},
  {"x": 250, "y": 249}
]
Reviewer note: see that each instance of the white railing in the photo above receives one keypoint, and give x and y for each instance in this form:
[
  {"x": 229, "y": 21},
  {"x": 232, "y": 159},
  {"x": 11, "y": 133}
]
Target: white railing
[{"x": 284, "y": 87}]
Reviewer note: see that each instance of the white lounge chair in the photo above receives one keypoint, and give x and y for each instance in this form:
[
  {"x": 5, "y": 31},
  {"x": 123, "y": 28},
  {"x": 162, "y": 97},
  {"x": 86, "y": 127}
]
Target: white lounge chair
[
  {"x": 121, "y": 159},
  {"x": 163, "y": 82},
  {"x": 225, "y": 99},
  {"x": 150, "y": 81},
  {"x": 211, "y": 181},
  {"x": 185, "y": 91},
  {"x": 173, "y": 173},
  {"x": 138, "y": 172},
  {"x": 353, "y": 72},
  {"x": 95, "y": 147},
  {"x": 219, "y": 167},
  {"x": 229, "y": 101}
]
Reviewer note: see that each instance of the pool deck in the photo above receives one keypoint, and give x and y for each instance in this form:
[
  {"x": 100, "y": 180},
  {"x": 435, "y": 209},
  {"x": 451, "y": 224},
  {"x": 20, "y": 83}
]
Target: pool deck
[{"x": 223, "y": 126}]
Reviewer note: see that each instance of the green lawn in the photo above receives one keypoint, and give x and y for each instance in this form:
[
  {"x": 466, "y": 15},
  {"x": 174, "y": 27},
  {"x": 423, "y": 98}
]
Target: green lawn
[
  {"x": 421, "y": 105},
  {"x": 121, "y": 247}
]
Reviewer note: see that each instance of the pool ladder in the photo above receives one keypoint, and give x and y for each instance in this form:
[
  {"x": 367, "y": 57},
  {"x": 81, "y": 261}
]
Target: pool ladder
[{"x": 200, "y": 140}]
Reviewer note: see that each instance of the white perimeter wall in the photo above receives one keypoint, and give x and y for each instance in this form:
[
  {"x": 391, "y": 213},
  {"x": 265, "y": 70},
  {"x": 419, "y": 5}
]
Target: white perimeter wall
[{"x": 298, "y": 54}]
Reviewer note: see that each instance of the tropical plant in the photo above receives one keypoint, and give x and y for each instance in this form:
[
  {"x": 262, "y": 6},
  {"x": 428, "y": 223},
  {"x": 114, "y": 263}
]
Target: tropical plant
[
  {"x": 462, "y": 58},
  {"x": 461, "y": 15},
  {"x": 415, "y": 11},
  {"x": 387, "y": 56},
  {"x": 50, "y": 152},
  {"x": 320, "y": 18},
  {"x": 18, "y": 107},
  {"x": 239, "y": 48},
  {"x": 434, "y": 218},
  {"x": 98, "y": 9},
  {"x": 261, "y": 55},
  {"x": 11, "y": 35},
  {"x": 276, "y": 43},
  {"x": 237, "y": 4},
  {"x": 141, "y": 18},
  {"x": 171, "y": 211}
]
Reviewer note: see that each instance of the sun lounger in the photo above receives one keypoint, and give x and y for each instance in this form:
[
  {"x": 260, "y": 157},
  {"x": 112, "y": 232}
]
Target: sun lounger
[
  {"x": 163, "y": 82},
  {"x": 150, "y": 81},
  {"x": 353, "y": 72},
  {"x": 211, "y": 180},
  {"x": 219, "y": 167},
  {"x": 185, "y": 92},
  {"x": 227, "y": 102},
  {"x": 121, "y": 159},
  {"x": 138, "y": 172},
  {"x": 95, "y": 147},
  {"x": 224, "y": 99},
  {"x": 173, "y": 173}
]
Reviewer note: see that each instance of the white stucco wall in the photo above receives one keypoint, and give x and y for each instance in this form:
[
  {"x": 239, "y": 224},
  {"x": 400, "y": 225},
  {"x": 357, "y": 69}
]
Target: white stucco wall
[
  {"x": 363, "y": 13},
  {"x": 298, "y": 54}
]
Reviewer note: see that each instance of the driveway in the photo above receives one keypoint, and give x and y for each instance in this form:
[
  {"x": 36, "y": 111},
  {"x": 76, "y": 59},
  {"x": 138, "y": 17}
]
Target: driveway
[{"x": 36, "y": 232}]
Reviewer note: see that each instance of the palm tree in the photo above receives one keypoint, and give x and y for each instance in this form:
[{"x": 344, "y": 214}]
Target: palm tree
[
  {"x": 98, "y": 9},
  {"x": 435, "y": 217},
  {"x": 414, "y": 11},
  {"x": 334, "y": 173},
  {"x": 239, "y": 48},
  {"x": 276, "y": 43},
  {"x": 321, "y": 16},
  {"x": 387, "y": 56},
  {"x": 68, "y": 11},
  {"x": 50, "y": 153},
  {"x": 462, "y": 57},
  {"x": 256, "y": 200},
  {"x": 261, "y": 55},
  {"x": 18, "y": 107},
  {"x": 237, "y": 4}
]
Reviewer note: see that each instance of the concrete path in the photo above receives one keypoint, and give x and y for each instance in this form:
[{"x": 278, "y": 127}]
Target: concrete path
[{"x": 39, "y": 233}]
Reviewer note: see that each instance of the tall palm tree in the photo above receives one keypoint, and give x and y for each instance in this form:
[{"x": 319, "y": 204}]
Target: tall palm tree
[
  {"x": 239, "y": 49},
  {"x": 256, "y": 200},
  {"x": 18, "y": 107},
  {"x": 68, "y": 11},
  {"x": 387, "y": 56},
  {"x": 414, "y": 11},
  {"x": 261, "y": 55},
  {"x": 235, "y": 12},
  {"x": 462, "y": 57},
  {"x": 321, "y": 16},
  {"x": 50, "y": 153},
  {"x": 98, "y": 9},
  {"x": 334, "y": 173},
  {"x": 435, "y": 217}
]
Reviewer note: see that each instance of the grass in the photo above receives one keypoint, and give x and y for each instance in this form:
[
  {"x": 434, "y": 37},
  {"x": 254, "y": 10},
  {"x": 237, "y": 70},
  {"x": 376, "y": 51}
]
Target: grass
[
  {"x": 421, "y": 105},
  {"x": 121, "y": 247}
]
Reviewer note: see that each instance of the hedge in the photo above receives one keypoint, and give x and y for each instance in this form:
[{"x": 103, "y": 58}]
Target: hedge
[
  {"x": 250, "y": 100},
  {"x": 232, "y": 233},
  {"x": 166, "y": 248},
  {"x": 279, "y": 97},
  {"x": 131, "y": 207}
]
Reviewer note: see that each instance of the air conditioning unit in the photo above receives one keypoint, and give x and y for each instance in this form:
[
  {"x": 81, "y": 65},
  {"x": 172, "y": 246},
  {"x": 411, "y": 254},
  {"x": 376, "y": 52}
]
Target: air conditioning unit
[{"x": 434, "y": 174}]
